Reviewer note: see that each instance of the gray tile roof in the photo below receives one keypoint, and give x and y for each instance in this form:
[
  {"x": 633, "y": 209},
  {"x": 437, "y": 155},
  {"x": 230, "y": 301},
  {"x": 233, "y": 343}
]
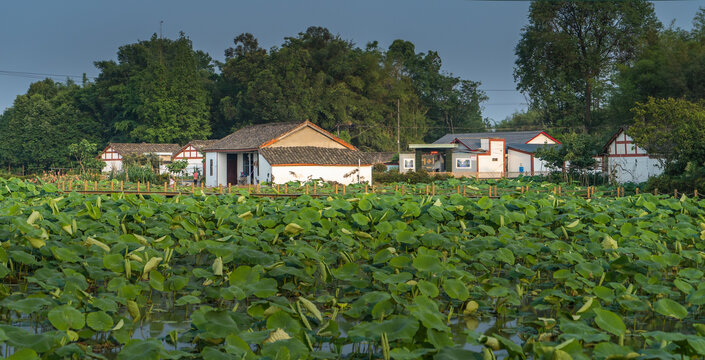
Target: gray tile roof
[
  {"x": 254, "y": 136},
  {"x": 201, "y": 144},
  {"x": 313, "y": 155},
  {"x": 532, "y": 147},
  {"x": 379, "y": 157},
  {"x": 144, "y": 148},
  {"x": 510, "y": 137}
]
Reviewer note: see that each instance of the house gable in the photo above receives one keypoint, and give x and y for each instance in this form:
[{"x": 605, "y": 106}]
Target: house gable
[
  {"x": 109, "y": 154},
  {"x": 542, "y": 138},
  {"x": 308, "y": 134},
  {"x": 188, "y": 152}
]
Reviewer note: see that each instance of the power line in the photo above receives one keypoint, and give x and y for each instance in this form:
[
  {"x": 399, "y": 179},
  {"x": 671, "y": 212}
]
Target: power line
[{"x": 35, "y": 75}]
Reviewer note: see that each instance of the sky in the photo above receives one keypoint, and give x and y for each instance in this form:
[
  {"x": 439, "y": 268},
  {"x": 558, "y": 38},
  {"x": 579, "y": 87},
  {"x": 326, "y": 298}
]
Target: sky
[{"x": 475, "y": 39}]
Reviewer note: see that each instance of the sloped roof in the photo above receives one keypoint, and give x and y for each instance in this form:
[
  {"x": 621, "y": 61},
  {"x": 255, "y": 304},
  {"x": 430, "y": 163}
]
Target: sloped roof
[
  {"x": 144, "y": 148},
  {"x": 200, "y": 144},
  {"x": 310, "y": 155},
  {"x": 379, "y": 157},
  {"x": 606, "y": 148},
  {"x": 510, "y": 137},
  {"x": 531, "y": 148},
  {"x": 252, "y": 137}
]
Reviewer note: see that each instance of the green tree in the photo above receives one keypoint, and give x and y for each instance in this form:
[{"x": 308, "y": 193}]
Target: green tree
[
  {"x": 37, "y": 130},
  {"x": 673, "y": 129},
  {"x": 576, "y": 152},
  {"x": 85, "y": 153},
  {"x": 158, "y": 91},
  {"x": 569, "y": 51}
]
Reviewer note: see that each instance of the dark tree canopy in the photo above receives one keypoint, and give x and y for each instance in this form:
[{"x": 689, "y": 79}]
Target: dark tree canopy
[
  {"x": 158, "y": 91},
  {"x": 570, "y": 50}
]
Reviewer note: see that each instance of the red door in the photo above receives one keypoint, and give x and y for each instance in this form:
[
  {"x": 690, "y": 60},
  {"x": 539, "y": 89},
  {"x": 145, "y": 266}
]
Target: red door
[{"x": 232, "y": 169}]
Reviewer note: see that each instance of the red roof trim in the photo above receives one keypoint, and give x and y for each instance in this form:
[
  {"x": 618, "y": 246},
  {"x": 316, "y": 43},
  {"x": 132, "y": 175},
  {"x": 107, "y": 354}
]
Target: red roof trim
[
  {"x": 544, "y": 133},
  {"x": 519, "y": 150}
]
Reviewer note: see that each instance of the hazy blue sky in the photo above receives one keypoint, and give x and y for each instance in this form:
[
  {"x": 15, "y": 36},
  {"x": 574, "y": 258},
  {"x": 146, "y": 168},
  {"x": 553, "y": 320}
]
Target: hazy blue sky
[{"x": 475, "y": 39}]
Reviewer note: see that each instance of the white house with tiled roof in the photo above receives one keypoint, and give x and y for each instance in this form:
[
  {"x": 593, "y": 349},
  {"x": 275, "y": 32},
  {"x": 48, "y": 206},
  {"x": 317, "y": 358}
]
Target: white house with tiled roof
[
  {"x": 113, "y": 154},
  {"x": 482, "y": 155},
  {"x": 624, "y": 162},
  {"x": 192, "y": 153},
  {"x": 283, "y": 152}
]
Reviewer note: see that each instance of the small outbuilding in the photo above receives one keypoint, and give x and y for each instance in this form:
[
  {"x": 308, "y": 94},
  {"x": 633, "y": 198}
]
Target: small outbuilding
[
  {"x": 113, "y": 154},
  {"x": 283, "y": 152},
  {"x": 192, "y": 153},
  {"x": 623, "y": 161}
]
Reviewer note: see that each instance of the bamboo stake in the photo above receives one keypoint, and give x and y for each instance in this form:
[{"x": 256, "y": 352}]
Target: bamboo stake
[
  {"x": 396, "y": 187},
  {"x": 373, "y": 189},
  {"x": 402, "y": 189},
  {"x": 675, "y": 193},
  {"x": 426, "y": 189},
  {"x": 306, "y": 188},
  {"x": 121, "y": 186},
  {"x": 138, "y": 187},
  {"x": 111, "y": 186},
  {"x": 490, "y": 191},
  {"x": 257, "y": 187},
  {"x": 286, "y": 188},
  {"x": 637, "y": 191},
  {"x": 230, "y": 190},
  {"x": 336, "y": 188},
  {"x": 365, "y": 188},
  {"x": 193, "y": 188},
  {"x": 95, "y": 186},
  {"x": 149, "y": 186},
  {"x": 695, "y": 193},
  {"x": 165, "y": 187},
  {"x": 433, "y": 186},
  {"x": 344, "y": 187},
  {"x": 85, "y": 185},
  {"x": 465, "y": 187}
]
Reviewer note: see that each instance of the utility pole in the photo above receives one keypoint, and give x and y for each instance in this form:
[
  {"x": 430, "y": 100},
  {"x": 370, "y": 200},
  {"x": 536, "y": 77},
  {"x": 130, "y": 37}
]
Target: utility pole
[
  {"x": 398, "y": 128},
  {"x": 160, "y": 28}
]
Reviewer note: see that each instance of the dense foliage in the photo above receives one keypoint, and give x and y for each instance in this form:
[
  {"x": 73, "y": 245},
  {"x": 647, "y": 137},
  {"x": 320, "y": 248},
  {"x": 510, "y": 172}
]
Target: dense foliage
[
  {"x": 360, "y": 276},
  {"x": 163, "y": 90}
]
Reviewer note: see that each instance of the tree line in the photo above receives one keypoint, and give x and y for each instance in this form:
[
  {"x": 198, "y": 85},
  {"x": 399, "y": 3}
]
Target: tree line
[
  {"x": 591, "y": 67},
  {"x": 163, "y": 90}
]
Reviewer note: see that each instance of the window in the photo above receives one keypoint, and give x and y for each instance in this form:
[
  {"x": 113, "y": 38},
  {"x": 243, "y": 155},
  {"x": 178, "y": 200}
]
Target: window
[
  {"x": 464, "y": 163},
  {"x": 494, "y": 159},
  {"x": 408, "y": 163},
  {"x": 211, "y": 167}
]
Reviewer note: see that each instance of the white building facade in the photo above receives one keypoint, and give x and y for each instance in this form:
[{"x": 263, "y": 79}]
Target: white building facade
[{"x": 624, "y": 162}]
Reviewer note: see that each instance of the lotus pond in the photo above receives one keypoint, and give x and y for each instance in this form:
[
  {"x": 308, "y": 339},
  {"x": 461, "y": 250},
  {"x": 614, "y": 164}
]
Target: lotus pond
[{"x": 361, "y": 276}]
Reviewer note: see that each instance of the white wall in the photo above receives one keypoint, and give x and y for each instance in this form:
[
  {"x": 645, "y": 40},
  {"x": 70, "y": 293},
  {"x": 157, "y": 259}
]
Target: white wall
[
  {"x": 517, "y": 159},
  {"x": 487, "y": 168},
  {"x": 264, "y": 173},
  {"x": 112, "y": 165},
  {"x": 541, "y": 167},
  {"x": 633, "y": 168},
  {"x": 283, "y": 174},
  {"x": 403, "y": 156}
]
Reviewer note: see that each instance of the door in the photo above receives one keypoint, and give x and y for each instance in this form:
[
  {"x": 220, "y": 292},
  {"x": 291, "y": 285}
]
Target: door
[{"x": 232, "y": 169}]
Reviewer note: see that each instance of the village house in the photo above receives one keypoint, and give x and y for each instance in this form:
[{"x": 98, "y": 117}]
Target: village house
[
  {"x": 113, "y": 154},
  {"x": 481, "y": 155},
  {"x": 622, "y": 161},
  {"x": 192, "y": 153},
  {"x": 283, "y": 152}
]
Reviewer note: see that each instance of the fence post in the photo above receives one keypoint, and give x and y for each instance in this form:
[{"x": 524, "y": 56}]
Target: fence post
[
  {"x": 426, "y": 189},
  {"x": 149, "y": 186},
  {"x": 365, "y": 188},
  {"x": 336, "y": 188},
  {"x": 165, "y": 187},
  {"x": 344, "y": 187},
  {"x": 695, "y": 193},
  {"x": 220, "y": 188},
  {"x": 138, "y": 187},
  {"x": 193, "y": 188},
  {"x": 402, "y": 189},
  {"x": 490, "y": 191},
  {"x": 675, "y": 193},
  {"x": 230, "y": 189},
  {"x": 121, "y": 186},
  {"x": 465, "y": 187},
  {"x": 636, "y": 191},
  {"x": 306, "y": 188},
  {"x": 286, "y": 188},
  {"x": 257, "y": 188}
]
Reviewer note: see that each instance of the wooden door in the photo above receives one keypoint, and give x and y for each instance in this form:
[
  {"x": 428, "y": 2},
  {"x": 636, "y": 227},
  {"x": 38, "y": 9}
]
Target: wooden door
[{"x": 232, "y": 169}]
